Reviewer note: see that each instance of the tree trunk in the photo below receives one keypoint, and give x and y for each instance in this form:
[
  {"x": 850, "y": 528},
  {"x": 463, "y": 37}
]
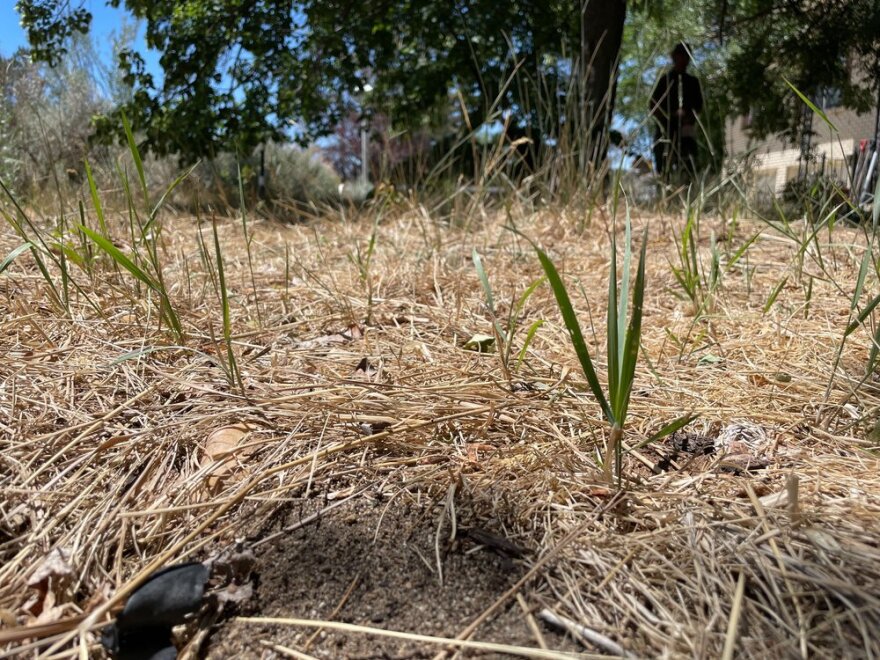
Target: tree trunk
[{"x": 601, "y": 36}]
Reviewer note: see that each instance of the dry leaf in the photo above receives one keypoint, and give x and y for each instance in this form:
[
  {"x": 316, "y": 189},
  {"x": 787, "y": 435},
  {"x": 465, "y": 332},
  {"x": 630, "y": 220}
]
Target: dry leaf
[
  {"x": 7, "y": 618},
  {"x": 365, "y": 370},
  {"x": 219, "y": 445},
  {"x": 49, "y": 580},
  {"x": 349, "y": 334}
]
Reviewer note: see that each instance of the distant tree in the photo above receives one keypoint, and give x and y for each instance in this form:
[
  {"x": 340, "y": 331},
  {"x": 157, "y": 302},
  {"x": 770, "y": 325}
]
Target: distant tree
[
  {"x": 47, "y": 113},
  {"x": 238, "y": 72}
]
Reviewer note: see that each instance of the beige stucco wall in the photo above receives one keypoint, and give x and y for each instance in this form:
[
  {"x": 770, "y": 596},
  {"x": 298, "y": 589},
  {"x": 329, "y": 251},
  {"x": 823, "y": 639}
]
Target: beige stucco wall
[{"x": 776, "y": 161}]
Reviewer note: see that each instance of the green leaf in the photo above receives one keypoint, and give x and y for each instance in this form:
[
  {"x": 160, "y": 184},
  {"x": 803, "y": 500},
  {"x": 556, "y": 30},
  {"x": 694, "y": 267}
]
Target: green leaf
[
  {"x": 615, "y": 337},
  {"x": 741, "y": 251},
  {"x": 180, "y": 179},
  {"x": 136, "y": 156},
  {"x": 120, "y": 258},
  {"x": 860, "y": 280},
  {"x": 530, "y": 335},
  {"x": 96, "y": 199},
  {"x": 633, "y": 339},
  {"x": 12, "y": 256},
  {"x": 812, "y": 106},
  {"x": 774, "y": 294},
  {"x": 624, "y": 286},
  {"x": 528, "y": 293},
  {"x": 668, "y": 429},
  {"x": 865, "y": 313},
  {"x": 574, "y": 331},
  {"x": 484, "y": 280}
]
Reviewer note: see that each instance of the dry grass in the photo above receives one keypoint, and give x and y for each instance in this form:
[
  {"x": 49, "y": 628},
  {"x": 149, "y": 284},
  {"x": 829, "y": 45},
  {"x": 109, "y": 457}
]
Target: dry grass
[{"x": 104, "y": 461}]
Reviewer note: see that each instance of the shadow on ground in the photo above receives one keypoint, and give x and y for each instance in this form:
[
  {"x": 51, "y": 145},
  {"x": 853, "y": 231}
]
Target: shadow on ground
[{"x": 360, "y": 566}]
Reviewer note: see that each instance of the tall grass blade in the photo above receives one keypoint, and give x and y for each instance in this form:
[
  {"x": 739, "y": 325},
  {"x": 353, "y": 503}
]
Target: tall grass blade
[
  {"x": 12, "y": 256},
  {"x": 96, "y": 199},
  {"x": 248, "y": 239},
  {"x": 574, "y": 331},
  {"x": 633, "y": 338},
  {"x": 484, "y": 280},
  {"x": 860, "y": 280},
  {"x": 136, "y": 156},
  {"x": 614, "y": 339},
  {"x": 812, "y": 106},
  {"x": 624, "y": 286},
  {"x": 35, "y": 251},
  {"x": 119, "y": 257},
  {"x": 234, "y": 375}
]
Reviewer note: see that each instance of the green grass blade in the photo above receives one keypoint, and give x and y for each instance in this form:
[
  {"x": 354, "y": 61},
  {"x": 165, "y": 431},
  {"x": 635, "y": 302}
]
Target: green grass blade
[
  {"x": 860, "y": 280},
  {"x": 875, "y": 351},
  {"x": 158, "y": 207},
  {"x": 613, "y": 339},
  {"x": 234, "y": 374},
  {"x": 484, "y": 280},
  {"x": 667, "y": 430},
  {"x": 117, "y": 255},
  {"x": 774, "y": 294},
  {"x": 96, "y": 199},
  {"x": 633, "y": 340},
  {"x": 136, "y": 156},
  {"x": 527, "y": 294},
  {"x": 812, "y": 106},
  {"x": 574, "y": 332},
  {"x": 12, "y": 256},
  {"x": 741, "y": 251},
  {"x": 864, "y": 314},
  {"x": 530, "y": 335},
  {"x": 624, "y": 285}
]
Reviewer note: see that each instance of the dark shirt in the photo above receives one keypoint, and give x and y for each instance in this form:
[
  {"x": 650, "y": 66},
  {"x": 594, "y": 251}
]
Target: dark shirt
[{"x": 666, "y": 100}]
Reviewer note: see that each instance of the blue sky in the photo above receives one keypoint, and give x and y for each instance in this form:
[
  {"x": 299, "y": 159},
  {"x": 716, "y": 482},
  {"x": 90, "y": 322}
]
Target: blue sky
[{"x": 105, "y": 21}]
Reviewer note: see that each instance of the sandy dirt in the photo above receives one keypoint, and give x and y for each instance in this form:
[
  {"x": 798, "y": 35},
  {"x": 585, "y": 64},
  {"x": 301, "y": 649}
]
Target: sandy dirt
[{"x": 366, "y": 565}]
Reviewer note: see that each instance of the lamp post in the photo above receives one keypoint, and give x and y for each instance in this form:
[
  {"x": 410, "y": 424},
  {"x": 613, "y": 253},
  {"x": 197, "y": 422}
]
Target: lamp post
[{"x": 365, "y": 180}]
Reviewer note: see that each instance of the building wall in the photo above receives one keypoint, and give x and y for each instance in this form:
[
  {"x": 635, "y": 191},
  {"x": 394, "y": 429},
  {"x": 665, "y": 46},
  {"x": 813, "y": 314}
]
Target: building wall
[{"x": 777, "y": 162}]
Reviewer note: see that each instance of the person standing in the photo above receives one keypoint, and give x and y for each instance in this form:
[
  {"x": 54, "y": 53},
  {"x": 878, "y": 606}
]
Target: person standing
[{"x": 675, "y": 103}]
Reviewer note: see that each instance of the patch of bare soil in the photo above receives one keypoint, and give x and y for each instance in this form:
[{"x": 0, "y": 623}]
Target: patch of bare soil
[{"x": 366, "y": 565}]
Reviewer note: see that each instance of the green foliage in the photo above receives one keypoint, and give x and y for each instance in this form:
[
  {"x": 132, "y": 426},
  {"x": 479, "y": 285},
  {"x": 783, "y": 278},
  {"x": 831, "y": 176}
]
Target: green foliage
[
  {"x": 815, "y": 47},
  {"x": 293, "y": 176},
  {"x": 50, "y": 25},
  {"x": 46, "y": 117},
  {"x": 622, "y": 341},
  {"x": 237, "y": 72},
  {"x": 502, "y": 336}
]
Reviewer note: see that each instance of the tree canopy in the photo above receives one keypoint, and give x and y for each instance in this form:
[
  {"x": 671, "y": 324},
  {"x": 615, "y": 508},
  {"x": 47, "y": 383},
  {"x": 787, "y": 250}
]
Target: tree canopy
[{"x": 236, "y": 73}]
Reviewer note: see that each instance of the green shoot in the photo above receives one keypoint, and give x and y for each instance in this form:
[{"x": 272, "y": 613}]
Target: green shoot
[
  {"x": 504, "y": 338},
  {"x": 622, "y": 342}
]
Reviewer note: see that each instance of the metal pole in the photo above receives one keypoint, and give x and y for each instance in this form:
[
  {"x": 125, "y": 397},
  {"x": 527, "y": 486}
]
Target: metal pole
[
  {"x": 261, "y": 180},
  {"x": 364, "y": 177}
]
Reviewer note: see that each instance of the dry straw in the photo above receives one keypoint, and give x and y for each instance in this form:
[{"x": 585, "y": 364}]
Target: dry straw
[{"x": 104, "y": 463}]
